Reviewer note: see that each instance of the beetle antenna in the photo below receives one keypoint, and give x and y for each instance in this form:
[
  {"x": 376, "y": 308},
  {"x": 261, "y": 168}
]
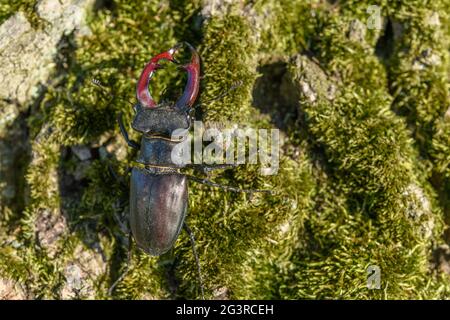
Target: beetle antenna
[
  {"x": 107, "y": 92},
  {"x": 197, "y": 261},
  {"x": 234, "y": 86}
]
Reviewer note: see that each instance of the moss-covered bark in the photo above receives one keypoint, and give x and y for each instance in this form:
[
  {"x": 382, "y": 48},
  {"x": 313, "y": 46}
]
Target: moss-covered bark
[{"x": 364, "y": 168}]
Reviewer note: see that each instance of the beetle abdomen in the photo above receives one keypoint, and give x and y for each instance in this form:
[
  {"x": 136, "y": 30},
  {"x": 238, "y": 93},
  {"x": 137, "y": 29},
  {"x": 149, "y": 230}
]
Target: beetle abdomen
[{"x": 158, "y": 204}]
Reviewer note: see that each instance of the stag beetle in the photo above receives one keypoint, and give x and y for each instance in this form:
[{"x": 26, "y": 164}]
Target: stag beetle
[{"x": 158, "y": 191}]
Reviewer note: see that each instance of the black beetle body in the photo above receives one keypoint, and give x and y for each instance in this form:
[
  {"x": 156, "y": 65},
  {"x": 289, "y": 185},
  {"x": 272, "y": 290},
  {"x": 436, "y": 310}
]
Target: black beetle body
[
  {"x": 158, "y": 192},
  {"x": 158, "y": 205}
]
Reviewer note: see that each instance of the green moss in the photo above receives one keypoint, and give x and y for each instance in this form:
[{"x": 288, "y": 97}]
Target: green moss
[
  {"x": 228, "y": 60},
  {"x": 27, "y": 7},
  {"x": 419, "y": 72},
  {"x": 366, "y": 147}
]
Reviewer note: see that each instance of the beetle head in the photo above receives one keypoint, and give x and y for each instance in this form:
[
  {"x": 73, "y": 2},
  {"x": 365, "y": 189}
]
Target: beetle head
[
  {"x": 153, "y": 118},
  {"x": 161, "y": 120}
]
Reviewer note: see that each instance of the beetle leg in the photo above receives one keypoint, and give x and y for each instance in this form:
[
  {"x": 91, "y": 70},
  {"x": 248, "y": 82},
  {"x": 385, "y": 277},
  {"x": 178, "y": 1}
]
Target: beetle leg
[
  {"x": 197, "y": 261},
  {"x": 208, "y": 168},
  {"x": 131, "y": 143},
  {"x": 117, "y": 177},
  {"x": 127, "y": 268},
  {"x": 229, "y": 188}
]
